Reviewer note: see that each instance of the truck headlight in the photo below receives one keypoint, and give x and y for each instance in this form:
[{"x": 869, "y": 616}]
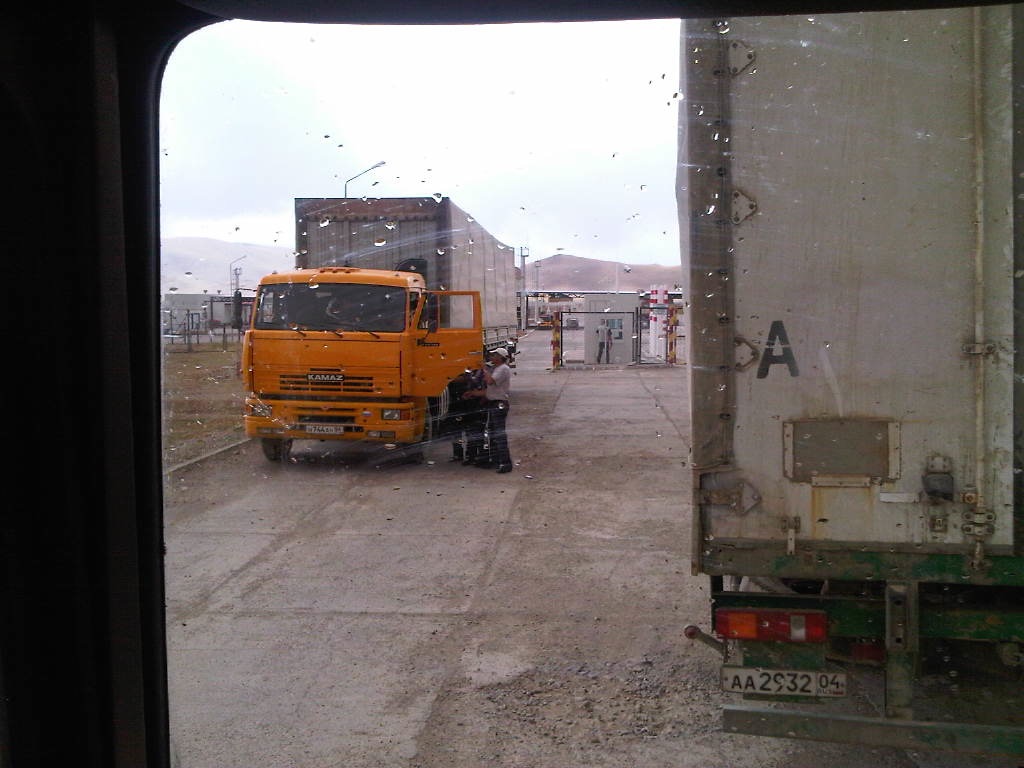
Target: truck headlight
[{"x": 391, "y": 414}]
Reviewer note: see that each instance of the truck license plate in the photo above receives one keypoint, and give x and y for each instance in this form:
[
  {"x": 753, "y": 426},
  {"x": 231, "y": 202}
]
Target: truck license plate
[
  {"x": 325, "y": 429},
  {"x": 783, "y": 682}
]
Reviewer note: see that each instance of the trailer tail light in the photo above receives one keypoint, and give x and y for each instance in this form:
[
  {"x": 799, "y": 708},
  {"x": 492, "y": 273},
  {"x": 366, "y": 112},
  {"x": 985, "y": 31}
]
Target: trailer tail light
[{"x": 772, "y": 625}]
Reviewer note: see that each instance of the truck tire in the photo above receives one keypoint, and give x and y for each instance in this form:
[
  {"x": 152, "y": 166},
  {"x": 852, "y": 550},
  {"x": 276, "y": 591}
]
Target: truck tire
[{"x": 276, "y": 450}]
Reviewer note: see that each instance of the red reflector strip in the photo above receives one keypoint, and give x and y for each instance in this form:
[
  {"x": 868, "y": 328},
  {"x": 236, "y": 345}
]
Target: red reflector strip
[{"x": 772, "y": 625}]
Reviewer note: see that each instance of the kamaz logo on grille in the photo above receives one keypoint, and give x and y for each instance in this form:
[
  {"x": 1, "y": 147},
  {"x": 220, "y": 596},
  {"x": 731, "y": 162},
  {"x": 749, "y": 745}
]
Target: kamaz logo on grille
[{"x": 324, "y": 377}]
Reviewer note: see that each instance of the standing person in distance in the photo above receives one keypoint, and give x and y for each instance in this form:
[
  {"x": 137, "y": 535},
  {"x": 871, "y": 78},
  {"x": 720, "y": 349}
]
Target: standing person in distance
[
  {"x": 604, "y": 341},
  {"x": 497, "y": 384}
]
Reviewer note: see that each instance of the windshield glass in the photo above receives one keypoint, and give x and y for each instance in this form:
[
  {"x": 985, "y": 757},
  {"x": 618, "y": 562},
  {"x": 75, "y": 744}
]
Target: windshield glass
[{"x": 331, "y": 307}]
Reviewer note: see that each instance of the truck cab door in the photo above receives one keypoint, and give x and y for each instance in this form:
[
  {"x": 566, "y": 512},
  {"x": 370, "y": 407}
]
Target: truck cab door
[{"x": 448, "y": 339}]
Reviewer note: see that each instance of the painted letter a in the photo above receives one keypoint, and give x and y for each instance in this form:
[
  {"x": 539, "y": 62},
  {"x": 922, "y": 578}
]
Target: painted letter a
[{"x": 777, "y": 351}]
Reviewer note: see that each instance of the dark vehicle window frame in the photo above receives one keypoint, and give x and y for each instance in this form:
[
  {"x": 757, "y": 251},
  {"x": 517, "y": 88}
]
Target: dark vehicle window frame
[{"x": 82, "y": 660}]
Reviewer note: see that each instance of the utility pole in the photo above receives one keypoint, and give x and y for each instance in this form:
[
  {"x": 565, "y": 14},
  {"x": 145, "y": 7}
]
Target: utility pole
[{"x": 524, "y": 299}]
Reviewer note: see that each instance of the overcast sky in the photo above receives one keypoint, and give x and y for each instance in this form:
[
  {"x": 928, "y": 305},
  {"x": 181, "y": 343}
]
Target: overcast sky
[{"x": 557, "y": 138}]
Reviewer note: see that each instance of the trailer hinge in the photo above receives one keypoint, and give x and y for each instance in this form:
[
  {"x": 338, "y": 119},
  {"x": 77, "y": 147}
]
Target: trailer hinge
[
  {"x": 984, "y": 348},
  {"x": 790, "y": 526},
  {"x": 741, "y": 56},
  {"x": 979, "y": 523},
  {"x": 742, "y": 207},
  {"x": 754, "y": 352}
]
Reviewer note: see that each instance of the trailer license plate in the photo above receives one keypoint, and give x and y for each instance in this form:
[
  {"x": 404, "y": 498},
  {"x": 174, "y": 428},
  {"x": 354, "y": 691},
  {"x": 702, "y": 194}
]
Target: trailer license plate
[
  {"x": 325, "y": 429},
  {"x": 783, "y": 682}
]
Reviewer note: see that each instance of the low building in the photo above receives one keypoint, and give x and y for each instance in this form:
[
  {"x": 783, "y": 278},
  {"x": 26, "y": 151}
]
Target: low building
[{"x": 184, "y": 314}]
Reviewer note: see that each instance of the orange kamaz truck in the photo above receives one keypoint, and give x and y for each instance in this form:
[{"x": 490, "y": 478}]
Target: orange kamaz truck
[{"x": 390, "y": 302}]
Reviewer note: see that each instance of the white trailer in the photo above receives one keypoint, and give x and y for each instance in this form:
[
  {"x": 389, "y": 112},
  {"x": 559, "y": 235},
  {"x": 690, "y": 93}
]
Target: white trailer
[{"x": 849, "y": 200}]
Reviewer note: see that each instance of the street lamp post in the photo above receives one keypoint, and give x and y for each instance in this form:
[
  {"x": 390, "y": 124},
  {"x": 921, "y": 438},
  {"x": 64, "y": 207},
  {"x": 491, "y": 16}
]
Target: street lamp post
[
  {"x": 376, "y": 165},
  {"x": 524, "y": 298},
  {"x": 232, "y": 275}
]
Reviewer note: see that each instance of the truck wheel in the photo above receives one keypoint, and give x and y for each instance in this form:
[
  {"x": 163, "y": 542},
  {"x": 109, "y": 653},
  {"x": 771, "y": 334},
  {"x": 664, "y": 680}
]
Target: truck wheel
[{"x": 276, "y": 450}]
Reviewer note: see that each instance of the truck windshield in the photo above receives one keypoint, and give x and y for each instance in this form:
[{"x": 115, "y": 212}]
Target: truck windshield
[{"x": 331, "y": 307}]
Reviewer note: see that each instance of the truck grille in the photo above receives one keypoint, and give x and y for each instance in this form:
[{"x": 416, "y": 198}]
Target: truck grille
[{"x": 325, "y": 382}]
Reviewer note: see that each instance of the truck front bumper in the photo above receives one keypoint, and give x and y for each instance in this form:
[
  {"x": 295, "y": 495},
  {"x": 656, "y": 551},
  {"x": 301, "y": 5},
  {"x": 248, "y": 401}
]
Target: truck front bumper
[{"x": 386, "y": 422}]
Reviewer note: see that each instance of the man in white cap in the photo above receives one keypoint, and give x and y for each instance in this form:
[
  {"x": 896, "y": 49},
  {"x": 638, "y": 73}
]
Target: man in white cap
[{"x": 498, "y": 382}]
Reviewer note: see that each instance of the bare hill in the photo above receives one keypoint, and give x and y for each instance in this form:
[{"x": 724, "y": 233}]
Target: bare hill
[
  {"x": 191, "y": 265},
  {"x": 564, "y": 272},
  {"x": 198, "y": 264}
]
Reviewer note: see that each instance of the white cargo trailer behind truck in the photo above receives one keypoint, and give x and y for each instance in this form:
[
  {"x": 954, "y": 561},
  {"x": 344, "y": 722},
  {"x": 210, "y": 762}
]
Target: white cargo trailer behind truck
[
  {"x": 850, "y": 192},
  {"x": 429, "y": 235}
]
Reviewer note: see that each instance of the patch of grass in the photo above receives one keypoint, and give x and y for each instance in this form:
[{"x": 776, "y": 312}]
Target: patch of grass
[{"x": 202, "y": 397}]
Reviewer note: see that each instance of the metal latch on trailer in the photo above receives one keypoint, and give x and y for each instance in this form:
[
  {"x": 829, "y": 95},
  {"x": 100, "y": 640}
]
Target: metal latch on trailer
[
  {"x": 985, "y": 348},
  {"x": 979, "y": 523},
  {"x": 742, "y": 208},
  {"x": 791, "y": 526},
  {"x": 741, "y": 56}
]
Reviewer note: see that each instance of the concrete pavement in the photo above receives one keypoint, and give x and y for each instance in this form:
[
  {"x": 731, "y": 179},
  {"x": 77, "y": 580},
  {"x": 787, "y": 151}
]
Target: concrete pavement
[{"x": 331, "y": 613}]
